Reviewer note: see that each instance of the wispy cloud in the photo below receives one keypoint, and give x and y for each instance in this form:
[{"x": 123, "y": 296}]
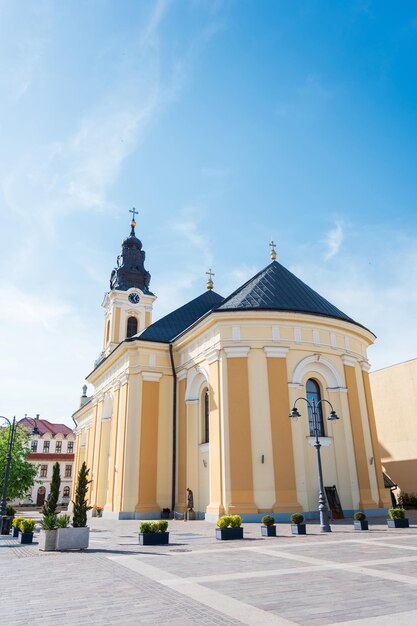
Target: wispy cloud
[
  {"x": 47, "y": 182},
  {"x": 333, "y": 241}
]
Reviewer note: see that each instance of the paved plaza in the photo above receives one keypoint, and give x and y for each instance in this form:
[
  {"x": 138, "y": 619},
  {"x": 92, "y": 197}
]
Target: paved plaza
[{"x": 344, "y": 577}]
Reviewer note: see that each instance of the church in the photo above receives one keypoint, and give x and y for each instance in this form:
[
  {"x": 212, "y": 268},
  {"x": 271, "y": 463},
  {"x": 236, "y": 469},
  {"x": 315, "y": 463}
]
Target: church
[{"x": 201, "y": 400}]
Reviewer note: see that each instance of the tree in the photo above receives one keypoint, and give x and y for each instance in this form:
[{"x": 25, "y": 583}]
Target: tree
[
  {"x": 80, "y": 503},
  {"x": 49, "y": 508},
  {"x": 22, "y": 473}
]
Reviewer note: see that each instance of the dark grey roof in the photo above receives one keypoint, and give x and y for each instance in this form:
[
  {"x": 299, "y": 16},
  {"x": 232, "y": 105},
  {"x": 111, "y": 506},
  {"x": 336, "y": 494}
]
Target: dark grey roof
[
  {"x": 170, "y": 326},
  {"x": 276, "y": 288}
]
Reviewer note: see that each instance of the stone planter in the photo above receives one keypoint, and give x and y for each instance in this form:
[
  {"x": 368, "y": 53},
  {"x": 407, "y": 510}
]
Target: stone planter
[
  {"x": 229, "y": 533},
  {"x": 153, "y": 539},
  {"x": 298, "y": 529},
  {"x": 72, "y": 538},
  {"x": 269, "y": 531},
  {"x": 47, "y": 540},
  {"x": 360, "y": 524},
  {"x": 398, "y": 523},
  {"x": 26, "y": 537}
]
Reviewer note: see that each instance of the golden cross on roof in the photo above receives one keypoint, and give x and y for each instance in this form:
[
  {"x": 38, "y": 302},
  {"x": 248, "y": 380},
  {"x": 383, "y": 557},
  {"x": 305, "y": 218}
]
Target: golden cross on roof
[
  {"x": 273, "y": 253},
  {"x": 210, "y": 283}
]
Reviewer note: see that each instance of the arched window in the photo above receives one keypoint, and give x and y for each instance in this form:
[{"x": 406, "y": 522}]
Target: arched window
[
  {"x": 132, "y": 326},
  {"x": 206, "y": 417},
  {"x": 66, "y": 492},
  {"x": 313, "y": 395}
]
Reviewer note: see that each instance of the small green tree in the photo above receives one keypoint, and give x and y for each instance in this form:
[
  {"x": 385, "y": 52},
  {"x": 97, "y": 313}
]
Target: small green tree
[
  {"x": 22, "y": 473},
  {"x": 80, "y": 503},
  {"x": 49, "y": 508}
]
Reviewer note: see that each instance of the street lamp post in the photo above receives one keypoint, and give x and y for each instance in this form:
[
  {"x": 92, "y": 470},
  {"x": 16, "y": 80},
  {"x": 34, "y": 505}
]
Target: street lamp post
[
  {"x": 4, "y": 520},
  {"x": 314, "y": 407}
]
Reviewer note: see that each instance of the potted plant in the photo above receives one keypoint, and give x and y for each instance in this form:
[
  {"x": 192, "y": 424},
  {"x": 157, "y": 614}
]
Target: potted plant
[
  {"x": 359, "y": 521},
  {"x": 229, "y": 527},
  {"x": 47, "y": 536},
  {"x": 153, "y": 533},
  {"x": 16, "y": 525},
  {"x": 10, "y": 511},
  {"x": 297, "y": 524},
  {"x": 165, "y": 513},
  {"x": 77, "y": 537},
  {"x": 268, "y": 528},
  {"x": 397, "y": 518},
  {"x": 27, "y": 526}
]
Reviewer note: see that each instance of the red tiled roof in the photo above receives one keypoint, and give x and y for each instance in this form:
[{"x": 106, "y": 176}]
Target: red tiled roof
[
  {"x": 45, "y": 456},
  {"x": 45, "y": 426}
]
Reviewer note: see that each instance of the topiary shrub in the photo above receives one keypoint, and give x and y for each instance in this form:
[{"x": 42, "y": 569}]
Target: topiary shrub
[
  {"x": 297, "y": 518},
  {"x": 268, "y": 520},
  {"x": 10, "y": 511},
  {"x": 235, "y": 521},
  {"x": 163, "y": 525},
  {"x": 359, "y": 516},
  {"x": 49, "y": 508},
  {"x": 145, "y": 527},
  {"x": 224, "y": 521},
  {"x": 154, "y": 527},
  {"x": 396, "y": 513},
  {"x": 27, "y": 525},
  {"x": 80, "y": 503}
]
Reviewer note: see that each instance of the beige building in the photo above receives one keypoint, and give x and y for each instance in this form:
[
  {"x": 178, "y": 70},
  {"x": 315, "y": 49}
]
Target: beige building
[
  {"x": 201, "y": 399},
  {"x": 394, "y": 390},
  {"x": 55, "y": 443}
]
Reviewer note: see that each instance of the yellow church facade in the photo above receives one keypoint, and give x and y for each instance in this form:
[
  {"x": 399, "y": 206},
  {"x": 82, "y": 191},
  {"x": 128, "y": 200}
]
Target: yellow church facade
[{"x": 201, "y": 398}]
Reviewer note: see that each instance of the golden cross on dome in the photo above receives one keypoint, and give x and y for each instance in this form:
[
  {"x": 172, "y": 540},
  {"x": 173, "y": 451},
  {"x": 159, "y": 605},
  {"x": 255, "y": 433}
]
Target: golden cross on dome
[
  {"x": 210, "y": 283},
  {"x": 134, "y": 212},
  {"x": 273, "y": 253}
]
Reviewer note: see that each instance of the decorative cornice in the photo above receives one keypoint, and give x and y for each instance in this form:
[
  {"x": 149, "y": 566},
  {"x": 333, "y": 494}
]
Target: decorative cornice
[
  {"x": 336, "y": 389},
  {"x": 116, "y": 385},
  {"x": 349, "y": 360},
  {"x": 237, "y": 352},
  {"x": 153, "y": 377},
  {"x": 212, "y": 356},
  {"x": 123, "y": 379},
  {"x": 275, "y": 352},
  {"x": 366, "y": 366}
]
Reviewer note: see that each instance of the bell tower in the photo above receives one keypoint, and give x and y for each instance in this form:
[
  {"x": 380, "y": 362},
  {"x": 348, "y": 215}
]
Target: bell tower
[{"x": 128, "y": 304}]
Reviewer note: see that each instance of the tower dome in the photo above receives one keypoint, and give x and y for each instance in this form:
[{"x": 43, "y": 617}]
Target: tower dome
[{"x": 130, "y": 270}]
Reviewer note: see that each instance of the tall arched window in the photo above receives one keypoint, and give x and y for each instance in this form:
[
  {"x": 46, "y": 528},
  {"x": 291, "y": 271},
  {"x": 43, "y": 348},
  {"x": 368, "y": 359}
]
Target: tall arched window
[
  {"x": 66, "y": 492},
  {"x": 206, "y": 417},
  {"x": 313, "y": 393},
  {"x": 132, "y": 326}
]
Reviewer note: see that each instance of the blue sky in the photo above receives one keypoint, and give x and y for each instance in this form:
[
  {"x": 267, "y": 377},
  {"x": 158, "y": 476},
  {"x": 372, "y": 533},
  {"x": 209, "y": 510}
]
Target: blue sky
[{"x": 226, "y": 124}]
